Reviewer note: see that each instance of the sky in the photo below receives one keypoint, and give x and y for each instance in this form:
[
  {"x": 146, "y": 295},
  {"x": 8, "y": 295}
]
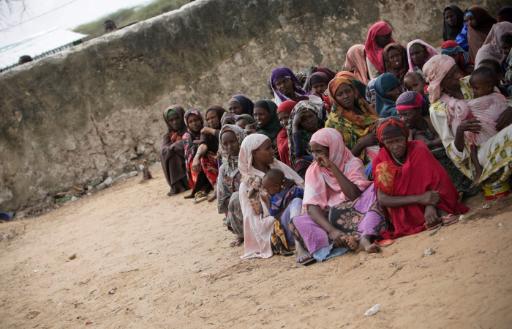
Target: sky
[{"x": 20, "y": 19}]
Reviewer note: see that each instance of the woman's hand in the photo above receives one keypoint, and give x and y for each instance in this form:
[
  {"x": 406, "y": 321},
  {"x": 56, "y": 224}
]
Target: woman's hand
[
  {"x": 431, "y": 216},
  {"x": 368, "y": 140},
  {"x": 505, "y": 119},
  {"x": 325, "y": 162},
  {"x": 336, "y": 236},
  {"x": 471, "y": 125},
  {"x": 429, "y": 198}
]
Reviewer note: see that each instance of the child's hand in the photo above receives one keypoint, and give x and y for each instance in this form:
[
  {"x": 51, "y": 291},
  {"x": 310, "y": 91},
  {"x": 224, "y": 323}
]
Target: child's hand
[{"x": 256, "y": 206}]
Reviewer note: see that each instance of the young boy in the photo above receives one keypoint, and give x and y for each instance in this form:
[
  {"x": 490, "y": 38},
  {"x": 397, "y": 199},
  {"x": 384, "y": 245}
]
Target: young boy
[
  {"x": 281, "y": 191},
  {"x": 414, "y": 81},
  {"x": 486, "y": 107}
]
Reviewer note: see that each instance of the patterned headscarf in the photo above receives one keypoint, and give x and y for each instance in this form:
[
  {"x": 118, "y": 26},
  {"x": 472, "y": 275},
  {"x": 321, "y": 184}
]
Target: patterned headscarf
[
  {"x": 409, "y": 100},
  {"x": 435, "y": 69},
  {"x": 231, "y": 161},
  {"x": 192, "y": 112}
]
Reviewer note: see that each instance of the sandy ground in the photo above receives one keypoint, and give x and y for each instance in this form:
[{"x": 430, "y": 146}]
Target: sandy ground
[{"x": 131, "y": 257}]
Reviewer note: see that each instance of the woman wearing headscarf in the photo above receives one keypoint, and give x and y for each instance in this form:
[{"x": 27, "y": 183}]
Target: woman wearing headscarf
[
  {"x": 172, "y": 151},
  {"x": 228, "y": 180},
  {"x": 264, "y": 235},
  {"x": 479, "y": 24},
  {"x": 453, "y": 22},
  {"x": 200, "y": 157},
  {"x": 355, "y": 62},
  {"x": 395, "y": 60},
  {"x": 493, "y": 45},
  {"x": 352, "y": 115},
  {"x": 305, "y": 119},
  {"x": 446, "y": 88},
  {"x": 240, "y": 104},
  {"x": 283, "y": 112},
  {"x": 387, "y": 90},
  {"x": 341, "y": 203},
  {"x": 418, "y": 53},
  {"x": 452, "y": 49},
  {"x": 410, "y": 107},
  {"x": 213, "y": 118},
  {"x": 267, "y": 122},
  {"x": 379, "y": 36},
  {"x": 285, "y": 85},
  {"x": 411, "y": 185}
]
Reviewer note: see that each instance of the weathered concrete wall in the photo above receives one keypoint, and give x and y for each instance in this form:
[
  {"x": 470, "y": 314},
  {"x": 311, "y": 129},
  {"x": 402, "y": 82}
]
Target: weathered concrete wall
[{"x": 93, "y": 111}]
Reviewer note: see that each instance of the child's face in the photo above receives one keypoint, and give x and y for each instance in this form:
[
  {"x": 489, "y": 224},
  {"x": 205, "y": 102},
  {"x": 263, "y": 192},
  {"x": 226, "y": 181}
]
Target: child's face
[
  {"x": 481, "y": 87},
  {"x": 413, "y": 83},
  {"x": 272, "y": 186},
  {"x": 242, "y": 123},
  {"x": 194, "y": 123},
  {"x": 319, "y": 88},
  {"x": 283, "y": 118},
  {"x": 410, "y": 117},
  {"x": 505, "y": 48},
  {"x": 230, "y": 143},
  {"x": 174, "y": 121},
  {"x": 212, "y": 120}
]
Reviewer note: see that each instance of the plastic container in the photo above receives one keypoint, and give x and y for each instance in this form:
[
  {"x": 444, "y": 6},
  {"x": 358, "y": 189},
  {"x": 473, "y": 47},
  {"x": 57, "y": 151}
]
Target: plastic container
[{"x": 495, "y": 190}]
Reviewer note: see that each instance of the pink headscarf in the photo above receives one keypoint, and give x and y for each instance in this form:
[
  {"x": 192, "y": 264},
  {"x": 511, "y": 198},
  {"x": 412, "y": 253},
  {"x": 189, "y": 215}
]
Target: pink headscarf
[
  {"x": 435, "y": 69},
  {"x": 322, "y": 188},
  {"x": 491, "y": 48},
  {"x": 373, "y": 51},
  {"x": 355, "y": 61},
  {"x": 430, "y": 50}
]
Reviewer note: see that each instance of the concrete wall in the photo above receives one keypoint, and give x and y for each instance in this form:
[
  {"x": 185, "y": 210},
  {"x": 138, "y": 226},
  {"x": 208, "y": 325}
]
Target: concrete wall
[{"x": 94, "y": 111}]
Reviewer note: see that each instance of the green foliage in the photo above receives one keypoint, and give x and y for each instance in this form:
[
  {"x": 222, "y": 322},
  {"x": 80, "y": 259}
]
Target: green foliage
[{"x": 129, "y": 16}]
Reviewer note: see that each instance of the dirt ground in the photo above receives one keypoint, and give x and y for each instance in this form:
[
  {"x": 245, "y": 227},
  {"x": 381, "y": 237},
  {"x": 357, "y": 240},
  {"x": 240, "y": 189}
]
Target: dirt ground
[{"x": 131, "y": 257}]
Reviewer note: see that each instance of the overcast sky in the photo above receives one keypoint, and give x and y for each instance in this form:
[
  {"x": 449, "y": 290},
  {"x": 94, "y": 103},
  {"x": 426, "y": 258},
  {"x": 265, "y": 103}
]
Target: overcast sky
[{"x": 18, "y": 22}]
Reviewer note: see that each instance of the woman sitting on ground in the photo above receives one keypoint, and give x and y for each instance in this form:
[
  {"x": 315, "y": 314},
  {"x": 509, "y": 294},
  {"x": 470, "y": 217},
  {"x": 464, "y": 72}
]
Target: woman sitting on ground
[
  {"x": 479, "y": 24},
  {"x": 395, "y": 60},
  {"x": 387, "y": 90},
  {"x": 285, "y": 85},
  {"x": 412, "y": 186},
  {"x": 264, "y": 234},
  {"x": 200, "y": 158},
  {"x": 445, "y": 86},
  {"x": 340, "y": 202},
  {"x": 172, "y": 154},
  {"x": 352, "y": 116},
  {"x": 355, "y": 62},
  {"x": 267, "y": 122},
  {"x": 418, "y": 53},
  {"x": 283, "y": 113},
  {"x": 228, "y": 180},
  {"x": 410, "y": 107},
  {"x": 240, "y": 104},
  {"x": 378, "y": 37},
  {"x": 304, "y": 121}
]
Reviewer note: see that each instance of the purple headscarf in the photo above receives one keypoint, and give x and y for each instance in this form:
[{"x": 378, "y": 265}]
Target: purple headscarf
[{"x": 284, "y": 72}]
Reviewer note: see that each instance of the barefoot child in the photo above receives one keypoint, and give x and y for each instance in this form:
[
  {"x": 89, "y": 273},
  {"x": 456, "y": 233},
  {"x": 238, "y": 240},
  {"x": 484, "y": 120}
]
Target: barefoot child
[
  {"x": 280, "y": 190},
  {"x": 486, "y": 108}
]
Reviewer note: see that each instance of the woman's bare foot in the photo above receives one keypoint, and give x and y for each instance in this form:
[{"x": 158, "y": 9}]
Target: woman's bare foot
[
  {"x": 369, "y": 247},
  {"x": 237, "y": 242}
]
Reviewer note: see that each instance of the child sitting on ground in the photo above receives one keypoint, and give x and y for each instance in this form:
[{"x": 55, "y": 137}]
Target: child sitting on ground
[
  {"x": 414, "y": 81},
  {"x": 281, "y": 191},
  {"x": 486, "y": 108}
]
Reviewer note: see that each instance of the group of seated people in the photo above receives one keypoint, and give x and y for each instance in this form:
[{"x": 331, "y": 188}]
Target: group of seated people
[{"x": 337, "y": 162}]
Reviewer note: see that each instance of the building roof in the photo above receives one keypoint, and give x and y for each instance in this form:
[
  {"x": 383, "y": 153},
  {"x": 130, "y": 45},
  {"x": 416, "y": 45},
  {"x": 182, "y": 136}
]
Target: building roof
[{"x": 38, "y": 45}]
